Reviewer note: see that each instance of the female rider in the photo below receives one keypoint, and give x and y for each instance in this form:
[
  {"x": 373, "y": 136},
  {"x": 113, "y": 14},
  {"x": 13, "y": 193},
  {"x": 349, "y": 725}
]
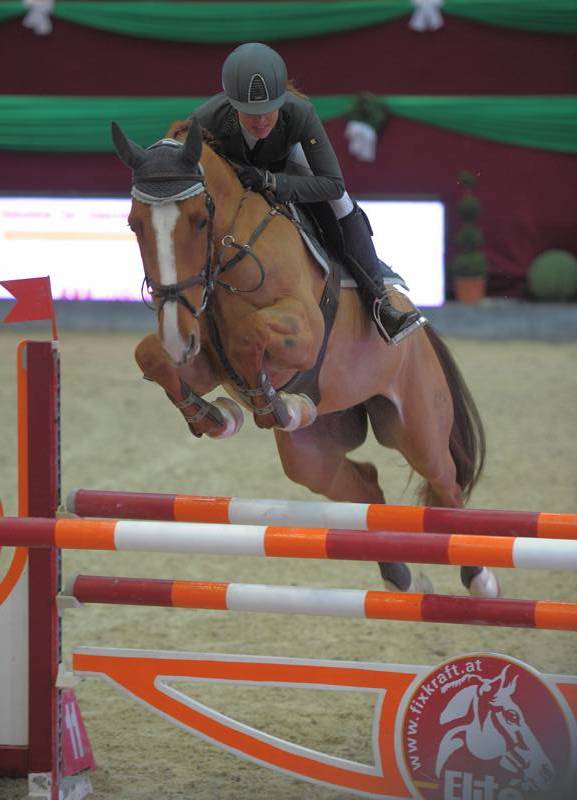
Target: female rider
[{"x": 261, "y": 123}]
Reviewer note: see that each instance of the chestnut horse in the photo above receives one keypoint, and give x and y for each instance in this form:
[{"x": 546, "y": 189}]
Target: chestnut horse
[{"x": 238, "y": 299}]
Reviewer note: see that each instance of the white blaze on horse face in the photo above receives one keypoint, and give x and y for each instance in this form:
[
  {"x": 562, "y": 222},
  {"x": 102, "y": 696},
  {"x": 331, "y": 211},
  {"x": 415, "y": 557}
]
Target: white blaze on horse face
[{"x": 164, "y": 218}]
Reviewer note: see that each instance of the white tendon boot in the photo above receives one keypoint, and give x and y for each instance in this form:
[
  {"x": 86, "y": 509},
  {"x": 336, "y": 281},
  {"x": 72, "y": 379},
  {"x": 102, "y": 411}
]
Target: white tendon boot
[
  {"x": 421, "y": 584},
  {"x": 302, "y": 411},
  {"x": 485, "y": 584},
  {"x": 233, "y": 417}
]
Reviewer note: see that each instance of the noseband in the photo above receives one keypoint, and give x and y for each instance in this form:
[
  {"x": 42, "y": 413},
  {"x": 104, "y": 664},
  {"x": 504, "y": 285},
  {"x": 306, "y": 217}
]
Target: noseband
[
  {"x": 209, "y": 275},
  {"x": 173, "y": 292}
]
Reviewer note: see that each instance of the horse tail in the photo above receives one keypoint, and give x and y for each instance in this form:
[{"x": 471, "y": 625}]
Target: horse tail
[{"x": 467, "y": 441}]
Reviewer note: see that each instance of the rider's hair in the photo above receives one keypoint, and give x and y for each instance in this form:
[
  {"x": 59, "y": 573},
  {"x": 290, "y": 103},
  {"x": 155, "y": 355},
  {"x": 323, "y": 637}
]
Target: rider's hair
[{"x": 293, "y": 89}]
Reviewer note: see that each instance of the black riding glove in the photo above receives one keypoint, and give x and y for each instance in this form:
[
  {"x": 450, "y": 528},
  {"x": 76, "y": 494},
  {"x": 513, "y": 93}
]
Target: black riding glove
[{"x": 255, "y": 178}]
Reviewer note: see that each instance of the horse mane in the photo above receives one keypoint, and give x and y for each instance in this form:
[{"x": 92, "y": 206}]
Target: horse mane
[
  {"x": 211, "y": 140},
  {"x": 179, "y": 128},
  {"x": 458, "y": 682}
]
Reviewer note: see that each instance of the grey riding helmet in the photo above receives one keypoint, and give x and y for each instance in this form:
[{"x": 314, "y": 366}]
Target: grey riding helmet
[{"x": 254, "y": 79}]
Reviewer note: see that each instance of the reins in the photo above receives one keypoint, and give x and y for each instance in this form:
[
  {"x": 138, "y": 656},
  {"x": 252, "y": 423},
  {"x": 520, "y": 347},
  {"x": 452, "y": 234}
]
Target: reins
[
  {"x": 208, "y": 277},
  {"x": 229, "y": 241}
]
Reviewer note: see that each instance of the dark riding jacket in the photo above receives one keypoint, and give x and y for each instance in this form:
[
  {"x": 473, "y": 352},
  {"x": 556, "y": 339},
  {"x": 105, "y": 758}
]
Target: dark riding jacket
[{"x": 297, "y": 122}]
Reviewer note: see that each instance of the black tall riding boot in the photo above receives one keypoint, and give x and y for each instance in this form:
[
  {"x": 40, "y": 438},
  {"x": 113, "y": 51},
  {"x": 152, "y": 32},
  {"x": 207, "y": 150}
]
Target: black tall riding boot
[{"x": 393, "y": 325}]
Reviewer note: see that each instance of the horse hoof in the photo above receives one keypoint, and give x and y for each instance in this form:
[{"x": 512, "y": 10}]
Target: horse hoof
[
  {"x": 232, "y": 415},
  {"x": 399, "y": 578},
  {"x": 396, "y": 576},
  {"x": 421, "y": 584},
  {"x": 485, "y": 584}
]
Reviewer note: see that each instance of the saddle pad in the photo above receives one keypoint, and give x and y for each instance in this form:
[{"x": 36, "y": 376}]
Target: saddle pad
[{"x": 307, "y": 230}]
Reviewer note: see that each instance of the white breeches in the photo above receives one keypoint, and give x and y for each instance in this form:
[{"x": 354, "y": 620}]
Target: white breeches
[{"x": 344, "y": 204}]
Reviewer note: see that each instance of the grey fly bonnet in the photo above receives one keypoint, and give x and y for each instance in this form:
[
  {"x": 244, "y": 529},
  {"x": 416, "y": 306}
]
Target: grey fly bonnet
[{"x": 167, "y": 170}]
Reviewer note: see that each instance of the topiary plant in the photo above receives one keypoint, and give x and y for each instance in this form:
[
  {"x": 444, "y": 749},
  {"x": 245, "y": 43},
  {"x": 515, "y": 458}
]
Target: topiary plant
[
  {"x": 553, "y": 276},
  {"x": 469, "y": 260}
]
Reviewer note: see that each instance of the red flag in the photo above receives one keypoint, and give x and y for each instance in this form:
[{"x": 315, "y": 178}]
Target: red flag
[{"x": 33, "y": 301}]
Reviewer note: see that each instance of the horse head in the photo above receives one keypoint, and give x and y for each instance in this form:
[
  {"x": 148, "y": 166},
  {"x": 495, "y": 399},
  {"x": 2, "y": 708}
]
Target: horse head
[
  {"x": 491, "y": 725},
  {"x": 172, "y": 216},
  {"x": 524, "y": 754}
]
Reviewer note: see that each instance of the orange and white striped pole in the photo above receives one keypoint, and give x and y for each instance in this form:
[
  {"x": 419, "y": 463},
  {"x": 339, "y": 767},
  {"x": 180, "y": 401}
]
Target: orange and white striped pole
[{"x": 280, "y": 542}]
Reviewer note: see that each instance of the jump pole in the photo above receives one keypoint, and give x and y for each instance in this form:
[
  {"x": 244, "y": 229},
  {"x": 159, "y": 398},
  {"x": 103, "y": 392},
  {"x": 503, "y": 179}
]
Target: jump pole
[
  {"x": 355, "y": 603},
  {"x": 44, "y": 533},
  {"x": 281, "y": 542},
  {"x": 321, "y": 514}
]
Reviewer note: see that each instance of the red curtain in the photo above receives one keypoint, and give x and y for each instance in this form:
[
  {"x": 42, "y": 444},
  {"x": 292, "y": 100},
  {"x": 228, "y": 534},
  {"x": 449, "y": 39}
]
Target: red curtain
[{"x": 529, "y": 196}]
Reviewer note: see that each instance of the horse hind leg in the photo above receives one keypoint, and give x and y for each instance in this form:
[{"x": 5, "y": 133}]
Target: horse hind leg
[
  {"x": 432, "y": 459},
  {"x": 465, "y": 453},
  {"x": 396, "y": 575},
  {"x": 316, "y": 457},
  {"x": 446, "y": 493}
]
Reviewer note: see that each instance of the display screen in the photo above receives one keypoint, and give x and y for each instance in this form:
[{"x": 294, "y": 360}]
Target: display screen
[{"x": 86, "y": 247}]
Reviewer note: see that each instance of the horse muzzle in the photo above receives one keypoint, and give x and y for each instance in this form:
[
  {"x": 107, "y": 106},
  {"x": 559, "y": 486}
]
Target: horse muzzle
[
  {"x": 181, "y": 348},
  {"x": 179, "y": 334},
  {"x": 185, "y": 355}
]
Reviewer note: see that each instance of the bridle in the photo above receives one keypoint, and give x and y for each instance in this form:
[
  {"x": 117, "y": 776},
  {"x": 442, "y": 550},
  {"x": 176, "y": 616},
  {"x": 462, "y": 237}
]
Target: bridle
[
  {"x": 208, "y": 277},
  {"x": 173, "y": 292},
  {"x": 214, "y": 267}
]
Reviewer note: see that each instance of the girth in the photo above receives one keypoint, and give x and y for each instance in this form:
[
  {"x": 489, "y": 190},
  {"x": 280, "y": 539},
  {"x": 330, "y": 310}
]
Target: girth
[{"x": 308, "y": 382}]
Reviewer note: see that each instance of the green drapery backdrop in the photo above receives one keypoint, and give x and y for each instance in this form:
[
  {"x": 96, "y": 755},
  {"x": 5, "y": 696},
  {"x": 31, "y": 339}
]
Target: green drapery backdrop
[
  {"x": 82, "y": 124},
  {"x": 269, "y": 21}
]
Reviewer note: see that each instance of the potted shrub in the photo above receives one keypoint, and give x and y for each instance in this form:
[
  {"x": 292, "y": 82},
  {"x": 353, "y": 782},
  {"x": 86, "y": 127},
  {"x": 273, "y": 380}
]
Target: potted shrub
[
  {"x": 469, "y": 264},
  {"x": 552, "y": 277}
]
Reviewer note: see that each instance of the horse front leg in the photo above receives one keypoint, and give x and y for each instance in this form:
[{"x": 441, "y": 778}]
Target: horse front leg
[
  {"x": 277, "y": 340},
  {"x": 219, "y": 419}
]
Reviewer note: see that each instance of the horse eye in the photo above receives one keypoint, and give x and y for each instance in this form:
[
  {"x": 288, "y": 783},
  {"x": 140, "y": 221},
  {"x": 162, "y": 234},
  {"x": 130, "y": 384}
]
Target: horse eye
[{"x": 201, "y": 223}]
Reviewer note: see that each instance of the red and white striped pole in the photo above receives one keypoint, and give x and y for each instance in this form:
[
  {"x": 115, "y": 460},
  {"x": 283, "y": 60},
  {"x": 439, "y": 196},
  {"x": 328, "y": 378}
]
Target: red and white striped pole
[
  {"x": 273, "y": 541},
  {"x": 321, "y": 514},
  {"x": 354, "y": 603}
]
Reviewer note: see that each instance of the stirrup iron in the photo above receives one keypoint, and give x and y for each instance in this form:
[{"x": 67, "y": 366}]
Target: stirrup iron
[{"x": 403, "y": 333}]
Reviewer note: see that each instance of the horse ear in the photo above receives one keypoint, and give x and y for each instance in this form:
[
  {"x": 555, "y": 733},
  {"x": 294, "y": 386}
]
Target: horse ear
[
  {"x": 193, "y": 143},
  {"x": 129, "y": 152},
  {"x": 502, "y": 675}
]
